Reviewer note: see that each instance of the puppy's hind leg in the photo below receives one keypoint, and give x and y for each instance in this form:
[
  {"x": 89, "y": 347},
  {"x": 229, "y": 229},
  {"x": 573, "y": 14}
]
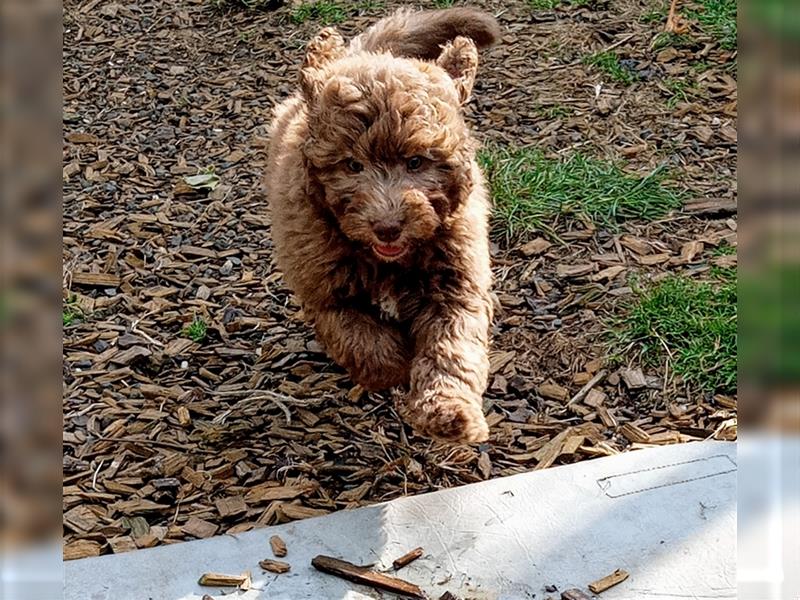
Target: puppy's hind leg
[{"x": 375, "y": 354}]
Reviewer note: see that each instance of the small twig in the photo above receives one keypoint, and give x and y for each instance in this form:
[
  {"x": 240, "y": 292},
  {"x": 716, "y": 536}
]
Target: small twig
[
  {"x": 262, "y": 395},
  {"x": 135, "y": 329},
  {"x": 96, "y": 472},
  {"x": 575, "y": 63},
  {"x": 362, "y": 575},
  {"x": 407, "y": 558},
  {"x": 671, "y": 25},
  {"x": 587, "y": 388},
  {"x": 148, "y": 443},
  {"x": 619, "y": 42},
  {"x": 251, "y": 396}
]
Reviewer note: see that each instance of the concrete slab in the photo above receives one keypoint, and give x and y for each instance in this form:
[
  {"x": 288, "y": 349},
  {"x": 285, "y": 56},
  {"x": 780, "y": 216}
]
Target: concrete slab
[{"x": 666, "y": 515}]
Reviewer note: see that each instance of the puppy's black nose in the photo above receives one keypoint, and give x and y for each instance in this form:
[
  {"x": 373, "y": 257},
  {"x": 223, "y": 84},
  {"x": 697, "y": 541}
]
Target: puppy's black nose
[{"x": 387, "y": 232}]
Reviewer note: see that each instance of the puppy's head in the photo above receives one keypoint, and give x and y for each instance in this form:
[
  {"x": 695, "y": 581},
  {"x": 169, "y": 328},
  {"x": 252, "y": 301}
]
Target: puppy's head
[{"x": 387, "y": 148}]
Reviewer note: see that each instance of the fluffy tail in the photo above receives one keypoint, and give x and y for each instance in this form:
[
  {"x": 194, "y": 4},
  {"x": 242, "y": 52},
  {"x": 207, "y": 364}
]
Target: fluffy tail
[{"x": 421, "y": 34}]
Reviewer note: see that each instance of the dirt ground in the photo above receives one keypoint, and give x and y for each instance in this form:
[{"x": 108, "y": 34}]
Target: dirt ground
[{"x": 167, "y": 439}]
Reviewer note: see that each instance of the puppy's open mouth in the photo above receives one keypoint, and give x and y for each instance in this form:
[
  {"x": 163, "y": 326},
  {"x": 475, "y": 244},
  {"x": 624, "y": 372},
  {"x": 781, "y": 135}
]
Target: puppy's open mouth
[{"x": 389, "y": 251}]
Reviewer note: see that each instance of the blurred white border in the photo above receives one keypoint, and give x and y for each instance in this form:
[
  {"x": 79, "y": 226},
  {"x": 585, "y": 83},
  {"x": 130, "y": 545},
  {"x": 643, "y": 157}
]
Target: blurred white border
[{"x": 768, "y": 517}]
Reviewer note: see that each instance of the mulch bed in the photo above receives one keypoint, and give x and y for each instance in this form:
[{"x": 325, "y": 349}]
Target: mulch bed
[{"x": 167, "y": 439}]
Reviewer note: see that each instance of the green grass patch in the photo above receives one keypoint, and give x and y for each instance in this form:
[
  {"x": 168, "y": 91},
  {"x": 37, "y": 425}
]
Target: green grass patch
[
  {"x": 679, "y": 91},
  {"x": 530, "y": 190},
  {"x": 718, "y": 17},
  {"x": 443, "y": 3},
  {"x": 543, "y": 4},
  {"x": 700, "y": 66},
  {"x": 690, "y": 324},
  {"x": 556, "y": 111},
  {"x": 776, "y": 17},
  {"x": 724, "y": 250},
  {"x": 330, "y": 12},
  {"x": 553, "y": 4},
  {"x": 609, "y": 63},
  {"x": 666, "y": 39},
  {"x": 655, "y": 15},
  {"x": 326, "y": 12},
  {"x": 770, "y": 298},
  {"x": 70, "y": 312},
  {"x": 196, "y": 330}
]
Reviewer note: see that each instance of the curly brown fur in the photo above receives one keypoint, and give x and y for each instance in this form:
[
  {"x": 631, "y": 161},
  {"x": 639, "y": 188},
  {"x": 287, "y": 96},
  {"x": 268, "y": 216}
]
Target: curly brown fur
[{"x": 379, "y": 213}]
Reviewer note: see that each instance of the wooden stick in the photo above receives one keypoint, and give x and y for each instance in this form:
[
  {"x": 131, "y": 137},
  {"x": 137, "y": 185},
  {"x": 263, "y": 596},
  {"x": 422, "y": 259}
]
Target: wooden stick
[
  {"x": 242, "y": 581},
  {"x": 278, "y": 546},
  {"x": 407, "y": 558},
  {"x": 274, "y": 566},
  {"x": 362, "y": 575},
  {"x": 670, "y": 24},
  {"x": 609, "y": 581},
  {"x": 586, "y": 388}
]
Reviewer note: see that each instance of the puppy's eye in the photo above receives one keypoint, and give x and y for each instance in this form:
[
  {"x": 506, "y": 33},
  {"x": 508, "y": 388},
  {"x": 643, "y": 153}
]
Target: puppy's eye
[
  {"x": 354, "y": 166},
  {"x": 414, "y": 163}
]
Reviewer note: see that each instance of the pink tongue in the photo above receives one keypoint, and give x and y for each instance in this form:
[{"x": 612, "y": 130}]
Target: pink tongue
[{"x": 389, "y": 250}]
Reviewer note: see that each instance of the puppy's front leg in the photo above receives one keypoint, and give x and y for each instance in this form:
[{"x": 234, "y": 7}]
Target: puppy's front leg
[
  {"x": 449, "y": 369},
  {"x": 375, "y": 354}
]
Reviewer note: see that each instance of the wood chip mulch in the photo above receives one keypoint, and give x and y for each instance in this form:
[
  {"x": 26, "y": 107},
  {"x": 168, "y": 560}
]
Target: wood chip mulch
[{"x": 168, "y": 439}]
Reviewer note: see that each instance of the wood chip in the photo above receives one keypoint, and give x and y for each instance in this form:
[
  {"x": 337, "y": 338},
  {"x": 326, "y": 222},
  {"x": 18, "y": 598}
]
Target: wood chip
[
  {"x": 81, "y": 138},
  {"x": 690, "y": 250},
  {"x": 654, "y": 259},
  {"x": 633, "y": 378},
  {"x": 595, "y": 398},
  {"x": 485, "y": 465},
  {"x": 81, "y": 549},
  {"x": 608, "y": 273},
  {"x": 637, "y": 245},
  {"x": 231, "y": 506},
  {"x": 725, "y": 401},
  {"x": 711, "y": 207},
  {"x": 499, "y": 360},
  {"x": 407, "y": 558},
  {"x": 535, "y": 247},
  {"x": 274, "y": 566},
  {"x": 667, "y": 54},
  {"x": 634, "y": 433},
  {"x": 267, "y": 492},
  {"x": 553, "y": 391},
  {"x": 95, "y": 279},
  {"x": 609, "y": 581},
  {"x": 575, "y": 594},
  {"x": 567, "y": 271},
  {"x": 184, "y": 417},
  {"x": 547, "y": 455},
  {"x": 364, "y": 576},
  {"x": 199, "y": 528},
  {"x": 355, "y": 494},
  {"x": 242, "y": 581},
  {"x": 587, "y": 388},
  {"x": 278, "y": 546},
  {"x": 123, "y": 543},
  {"x": 572, "y": 444},
  {"x": 606, "y": 417}
]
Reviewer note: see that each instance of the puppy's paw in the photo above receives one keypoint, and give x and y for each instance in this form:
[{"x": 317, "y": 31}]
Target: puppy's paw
[{"x": 448, "y": 416}]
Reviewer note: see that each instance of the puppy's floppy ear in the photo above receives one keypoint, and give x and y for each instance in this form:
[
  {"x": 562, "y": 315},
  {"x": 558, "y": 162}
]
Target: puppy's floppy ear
[
  {"x": 460, "y": 59},
  {"x": 326, "y": 47}
]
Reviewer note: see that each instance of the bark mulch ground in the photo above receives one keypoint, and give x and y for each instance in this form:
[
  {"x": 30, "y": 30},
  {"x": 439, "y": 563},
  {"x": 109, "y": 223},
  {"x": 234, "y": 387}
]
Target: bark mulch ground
[{"x": 168, "y": 438}]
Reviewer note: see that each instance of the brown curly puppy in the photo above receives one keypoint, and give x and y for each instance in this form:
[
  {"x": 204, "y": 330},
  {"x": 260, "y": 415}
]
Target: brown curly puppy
[{"x": 379, "y": 212}]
